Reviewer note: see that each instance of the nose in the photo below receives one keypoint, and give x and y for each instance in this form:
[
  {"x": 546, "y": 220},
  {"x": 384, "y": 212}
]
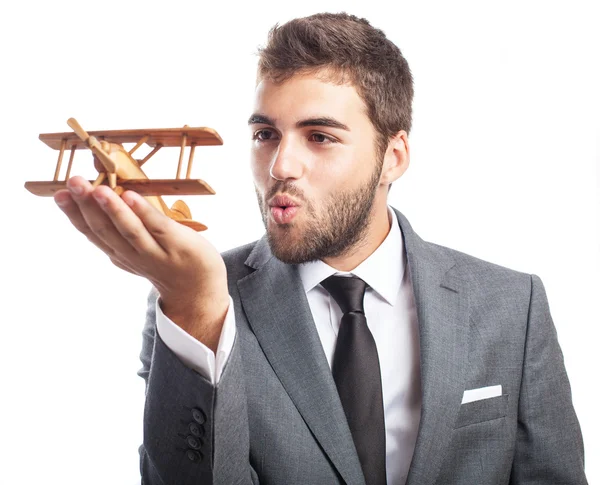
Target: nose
[{"x": 286, "y": 163}]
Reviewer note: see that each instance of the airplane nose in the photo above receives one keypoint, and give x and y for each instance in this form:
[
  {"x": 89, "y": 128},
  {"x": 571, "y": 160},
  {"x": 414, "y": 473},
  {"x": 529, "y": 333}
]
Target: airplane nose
[{"x": 98, "y": 165}]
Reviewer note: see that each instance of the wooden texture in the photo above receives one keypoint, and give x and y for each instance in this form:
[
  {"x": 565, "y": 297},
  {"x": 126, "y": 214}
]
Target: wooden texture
[
  {"x": 168, "y": 187},
  {"x": 149, "y": 156},
  {"x": 71, "y": 157},
  {"x": 196, "y": 226},
  {"x": 181, "y": 208},
  {"x": 190, "y": 161},
  {"x": 168, "y": 137},
  {"x": 143, "y": 140},
  {"x": 120, "y": 171},
  {"x": 79, "y": 131},
  {"x": 99, "y": 179},
  {"x": 145, "y": 187},
  {"x": 183, "y": 145},
  {"x": 63, "y": 144}
]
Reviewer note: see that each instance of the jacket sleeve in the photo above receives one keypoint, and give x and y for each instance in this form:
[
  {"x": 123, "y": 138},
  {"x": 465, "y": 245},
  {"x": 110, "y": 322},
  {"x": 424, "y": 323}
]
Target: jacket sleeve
[
  {"x": 549, "y": 446},
  {"x": 194, "y": 433},
  {"x": 193, "y": 353}
]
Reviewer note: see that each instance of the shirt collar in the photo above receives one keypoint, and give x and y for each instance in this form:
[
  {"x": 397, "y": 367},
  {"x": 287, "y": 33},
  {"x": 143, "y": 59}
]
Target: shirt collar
[{"x": 383, "y": 270}]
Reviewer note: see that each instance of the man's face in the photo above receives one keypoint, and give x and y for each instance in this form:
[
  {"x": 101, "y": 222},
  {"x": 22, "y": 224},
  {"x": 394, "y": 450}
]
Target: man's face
[{"x": 313, "y": 143}]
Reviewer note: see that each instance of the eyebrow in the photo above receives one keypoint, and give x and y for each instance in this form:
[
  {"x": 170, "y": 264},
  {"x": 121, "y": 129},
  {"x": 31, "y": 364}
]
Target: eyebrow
[{"x": 257, "y": 118}]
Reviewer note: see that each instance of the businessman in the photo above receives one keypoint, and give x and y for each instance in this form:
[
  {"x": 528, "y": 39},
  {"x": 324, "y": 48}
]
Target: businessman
[{"x": 340, "y": 348}]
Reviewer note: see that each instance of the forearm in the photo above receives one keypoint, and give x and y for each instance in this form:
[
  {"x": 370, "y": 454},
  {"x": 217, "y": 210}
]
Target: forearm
[
  {"x": 178, "y": 397},
  {"x": 178, "y": 420}
]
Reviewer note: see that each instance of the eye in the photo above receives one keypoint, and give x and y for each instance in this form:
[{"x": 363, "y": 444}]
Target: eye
[
  {"x": 266, "y": 134},
  {"x": 322, "y": 139},
  {"x": 259, "y": 135}
]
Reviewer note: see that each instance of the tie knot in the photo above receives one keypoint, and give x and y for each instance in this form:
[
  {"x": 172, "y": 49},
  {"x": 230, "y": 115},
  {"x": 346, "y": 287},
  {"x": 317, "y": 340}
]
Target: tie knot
[{"x": 348, "y": 292}]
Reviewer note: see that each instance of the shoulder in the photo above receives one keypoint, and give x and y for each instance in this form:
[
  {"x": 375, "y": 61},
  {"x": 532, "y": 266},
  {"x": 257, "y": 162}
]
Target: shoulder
[
  {"x": 490, "y": 284},
  {"x": 498, "y": 297},
  {"x": 481, "y": 271},
  {"x": 477, "y": 274}
]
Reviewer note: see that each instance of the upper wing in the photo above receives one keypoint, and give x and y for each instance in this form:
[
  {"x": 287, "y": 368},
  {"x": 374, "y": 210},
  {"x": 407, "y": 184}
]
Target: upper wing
[{"x": 166, "y": 137}]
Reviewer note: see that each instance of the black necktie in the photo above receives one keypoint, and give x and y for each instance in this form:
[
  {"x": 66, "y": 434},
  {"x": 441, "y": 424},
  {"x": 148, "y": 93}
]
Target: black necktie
[{"x": 356, "y": 373}]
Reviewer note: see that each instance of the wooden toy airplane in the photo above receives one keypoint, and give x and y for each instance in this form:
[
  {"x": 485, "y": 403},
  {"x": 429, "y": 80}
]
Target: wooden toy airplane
[{"x": 118, "y": 168}]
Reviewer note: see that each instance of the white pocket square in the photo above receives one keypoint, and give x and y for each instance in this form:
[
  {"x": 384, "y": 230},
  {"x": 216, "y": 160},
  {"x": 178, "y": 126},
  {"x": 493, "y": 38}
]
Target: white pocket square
[{"x": 471, "y": 395}]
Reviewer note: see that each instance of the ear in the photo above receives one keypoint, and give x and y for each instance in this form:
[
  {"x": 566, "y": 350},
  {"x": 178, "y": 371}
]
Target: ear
[{"x": 396, "y": 160}]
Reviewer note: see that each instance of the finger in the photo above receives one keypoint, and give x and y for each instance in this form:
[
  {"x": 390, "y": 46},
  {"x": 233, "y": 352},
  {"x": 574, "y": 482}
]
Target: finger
[
  {"x": 127, "y": 223},
  {"x": 97, "y": 220},
  {"x": 165, "y": 231},
  {"x": 64, "y": 200}
]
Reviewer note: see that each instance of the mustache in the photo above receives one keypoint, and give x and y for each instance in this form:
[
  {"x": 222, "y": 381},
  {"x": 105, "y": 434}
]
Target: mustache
[{"x": 282, "y": 187}]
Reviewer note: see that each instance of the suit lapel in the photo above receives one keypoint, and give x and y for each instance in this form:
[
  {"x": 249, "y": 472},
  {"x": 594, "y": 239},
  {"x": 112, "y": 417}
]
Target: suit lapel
[
  {"x": 441, "y": 299},
  {"x": 278, "y": 312}
]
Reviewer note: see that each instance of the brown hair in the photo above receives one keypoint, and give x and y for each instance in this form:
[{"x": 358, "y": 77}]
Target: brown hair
[{"x": 343, "y": 48}]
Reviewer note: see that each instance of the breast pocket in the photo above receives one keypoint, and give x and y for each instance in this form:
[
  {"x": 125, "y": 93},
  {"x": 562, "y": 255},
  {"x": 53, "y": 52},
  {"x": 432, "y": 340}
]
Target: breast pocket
[{"x": 482, "y": 410}]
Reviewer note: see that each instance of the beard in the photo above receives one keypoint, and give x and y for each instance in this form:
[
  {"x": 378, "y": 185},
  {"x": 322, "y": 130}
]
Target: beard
[{"x": 338, "y": 229}]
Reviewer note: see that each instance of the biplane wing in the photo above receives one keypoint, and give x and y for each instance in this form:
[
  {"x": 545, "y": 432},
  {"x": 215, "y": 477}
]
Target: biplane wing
[
  {"x": 145, "y": 187},
  {"x": 121, "y": 171},
  {"x": 164, "y": 137}
]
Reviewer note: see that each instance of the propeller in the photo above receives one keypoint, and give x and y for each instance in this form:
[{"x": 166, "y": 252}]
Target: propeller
[{"x": 94, "y": 145}]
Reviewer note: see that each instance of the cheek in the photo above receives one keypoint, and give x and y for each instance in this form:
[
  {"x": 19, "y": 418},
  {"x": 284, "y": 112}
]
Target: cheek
[
  {"x": 260, "y": 171},
  {"x": 336, "y": 172}
]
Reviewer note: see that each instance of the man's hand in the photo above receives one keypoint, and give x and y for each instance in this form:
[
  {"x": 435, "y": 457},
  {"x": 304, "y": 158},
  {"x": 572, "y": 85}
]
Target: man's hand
[{"x": 188, "y": 272}]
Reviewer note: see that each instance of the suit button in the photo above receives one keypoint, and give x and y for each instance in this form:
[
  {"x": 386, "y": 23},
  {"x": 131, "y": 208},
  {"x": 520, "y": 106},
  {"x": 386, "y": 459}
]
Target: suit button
[
  {"x": 196, "y": 429},
  {"x": 194, "y": 443},
  {"x": 198, "y": 416},
  {"x": 194, "y": 456}
]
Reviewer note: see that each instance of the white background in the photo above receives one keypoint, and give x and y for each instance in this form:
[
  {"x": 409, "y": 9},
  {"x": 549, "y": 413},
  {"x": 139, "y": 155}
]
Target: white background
[{"x": 504, "y": 166}]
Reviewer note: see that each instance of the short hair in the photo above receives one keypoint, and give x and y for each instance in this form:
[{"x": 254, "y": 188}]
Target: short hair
[{"x": 343, "y": 48}]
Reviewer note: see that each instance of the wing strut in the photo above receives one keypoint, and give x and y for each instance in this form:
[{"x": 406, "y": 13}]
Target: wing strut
[
  {"x": 63, "y": 144},
  {"x": 143, "y": 140},
  {"x": 150, "y": 155},
  {"x": 190, "y": 160},
  {"x": 183, "y": 143},
  {"x": 71, "y": 157}
]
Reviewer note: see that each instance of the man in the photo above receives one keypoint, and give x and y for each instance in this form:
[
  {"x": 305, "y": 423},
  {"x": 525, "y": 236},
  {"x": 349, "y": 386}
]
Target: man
[{"x": 341, "y": 347}]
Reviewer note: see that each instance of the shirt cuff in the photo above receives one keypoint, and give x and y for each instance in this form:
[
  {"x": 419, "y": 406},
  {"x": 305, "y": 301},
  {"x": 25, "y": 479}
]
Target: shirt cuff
[{"x": 194, "y": 353}]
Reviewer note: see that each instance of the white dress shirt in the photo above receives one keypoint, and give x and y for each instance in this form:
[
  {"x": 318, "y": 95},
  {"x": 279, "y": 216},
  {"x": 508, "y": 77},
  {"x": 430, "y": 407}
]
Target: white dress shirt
[{"x": 391, "y": 316}]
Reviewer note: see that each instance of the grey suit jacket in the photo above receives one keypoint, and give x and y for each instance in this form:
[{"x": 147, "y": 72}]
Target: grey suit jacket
[{"x": 275, "y": 417}]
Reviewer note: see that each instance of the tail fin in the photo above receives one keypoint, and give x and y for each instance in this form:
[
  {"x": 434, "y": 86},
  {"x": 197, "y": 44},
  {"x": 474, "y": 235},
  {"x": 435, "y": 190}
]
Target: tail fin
[
  {"x": 181, "y": 213},
  {"x": 181, "y": 210}
]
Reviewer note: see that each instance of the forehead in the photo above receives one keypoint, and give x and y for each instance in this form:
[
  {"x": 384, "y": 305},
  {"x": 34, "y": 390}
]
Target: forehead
[{"x": 305, "y": 95}]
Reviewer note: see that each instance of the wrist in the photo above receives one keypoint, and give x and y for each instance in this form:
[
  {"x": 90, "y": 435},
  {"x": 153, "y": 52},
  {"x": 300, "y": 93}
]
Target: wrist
[{"x": 201, "y": 317}]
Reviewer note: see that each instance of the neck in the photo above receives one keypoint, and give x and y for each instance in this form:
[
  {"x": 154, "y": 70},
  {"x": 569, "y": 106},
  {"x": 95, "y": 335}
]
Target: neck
[{"x": 377, "y": 230}]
